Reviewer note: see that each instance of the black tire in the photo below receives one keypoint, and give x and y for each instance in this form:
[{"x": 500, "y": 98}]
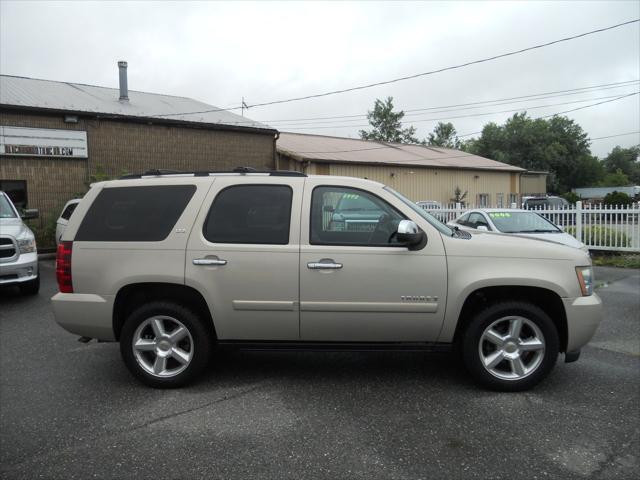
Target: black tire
[
  {"x": 200, "y": 343},
  {"x": 541, "y": 361},
  {"x": 32, "y": 287}
]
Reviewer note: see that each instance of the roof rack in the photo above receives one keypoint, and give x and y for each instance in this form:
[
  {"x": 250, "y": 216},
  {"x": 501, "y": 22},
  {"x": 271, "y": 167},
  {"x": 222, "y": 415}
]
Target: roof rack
[{"x": 158, "y": 172}]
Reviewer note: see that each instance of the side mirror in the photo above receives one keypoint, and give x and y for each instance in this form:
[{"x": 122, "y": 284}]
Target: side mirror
[
  {"x": 410, "y": 234},
  {"x": 30, "y": 214},
  {"x": 482, "y": 228}
]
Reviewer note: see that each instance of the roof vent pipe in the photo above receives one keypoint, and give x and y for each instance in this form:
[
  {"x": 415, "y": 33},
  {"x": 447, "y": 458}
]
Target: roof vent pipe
[{"x": 124, "y": 89}]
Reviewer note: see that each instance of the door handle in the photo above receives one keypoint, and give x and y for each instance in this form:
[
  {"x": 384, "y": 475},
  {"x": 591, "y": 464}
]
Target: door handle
[
  {"x": 209, "y": 261},
  {"x": 324, "y": 264}
]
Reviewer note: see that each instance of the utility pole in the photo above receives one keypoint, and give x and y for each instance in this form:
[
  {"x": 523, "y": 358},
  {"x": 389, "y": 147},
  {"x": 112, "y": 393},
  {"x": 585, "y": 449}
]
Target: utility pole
[{"x": 243, "y": 106}]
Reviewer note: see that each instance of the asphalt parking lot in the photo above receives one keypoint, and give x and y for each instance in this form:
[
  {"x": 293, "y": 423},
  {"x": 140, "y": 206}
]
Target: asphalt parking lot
[{"x": 71, "y": 410}]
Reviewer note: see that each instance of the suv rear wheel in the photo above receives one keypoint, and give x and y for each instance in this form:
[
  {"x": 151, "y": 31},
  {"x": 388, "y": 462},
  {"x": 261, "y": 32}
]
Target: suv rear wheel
[
  {"x": 510, "y": 346},
  {"x": 165, "y": 345}
]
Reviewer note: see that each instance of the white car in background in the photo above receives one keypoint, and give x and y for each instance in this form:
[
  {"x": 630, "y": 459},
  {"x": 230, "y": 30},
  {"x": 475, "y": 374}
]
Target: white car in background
[
  {"x": 18, "y": 252},
  {"x": 524, "y": 223},
  {"x": 63, "y": 219}
]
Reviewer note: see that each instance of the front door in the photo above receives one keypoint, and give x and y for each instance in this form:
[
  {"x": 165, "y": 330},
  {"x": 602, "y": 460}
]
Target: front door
[
  {"x": 357, "y": 283},
  {"x": 243, "y": 255}
]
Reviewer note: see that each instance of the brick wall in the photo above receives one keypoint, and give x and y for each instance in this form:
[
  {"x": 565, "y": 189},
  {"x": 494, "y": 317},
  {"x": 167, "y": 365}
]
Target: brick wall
[{"x": 120, "y": 146}]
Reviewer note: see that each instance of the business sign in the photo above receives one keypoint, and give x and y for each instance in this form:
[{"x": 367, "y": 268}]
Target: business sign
[{"x": 43, "y": 142}]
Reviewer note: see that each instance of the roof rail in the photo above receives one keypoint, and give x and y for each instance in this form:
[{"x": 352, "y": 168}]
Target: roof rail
[{"x": 158, "y": 172}]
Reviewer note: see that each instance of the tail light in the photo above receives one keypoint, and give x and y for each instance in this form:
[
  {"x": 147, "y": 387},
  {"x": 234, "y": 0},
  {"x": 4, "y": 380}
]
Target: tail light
[{"x": 63, "y": 267}]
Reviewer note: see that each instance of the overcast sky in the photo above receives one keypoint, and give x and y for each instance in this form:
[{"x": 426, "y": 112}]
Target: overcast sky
[{"x": 218, "y": 52}]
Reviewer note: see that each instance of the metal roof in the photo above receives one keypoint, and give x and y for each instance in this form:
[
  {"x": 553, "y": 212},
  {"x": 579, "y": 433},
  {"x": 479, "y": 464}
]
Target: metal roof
[
  {"x": 75, "y": 97},
  {"x": 319, "y": 148}
]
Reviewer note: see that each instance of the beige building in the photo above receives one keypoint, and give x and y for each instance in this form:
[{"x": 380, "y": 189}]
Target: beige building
[
  {"x": 418, "y": 172},
  {"x": 533, "y": 183}
]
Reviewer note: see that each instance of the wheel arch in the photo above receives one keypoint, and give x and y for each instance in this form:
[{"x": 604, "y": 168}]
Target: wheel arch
[
  {"x": 547, "y": 300},
  {"x": 133, "y": 295}
]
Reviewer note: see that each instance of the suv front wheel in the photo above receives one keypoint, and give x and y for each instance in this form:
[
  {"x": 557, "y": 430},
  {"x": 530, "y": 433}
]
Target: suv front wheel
[
  {"x": 510, "y": 346},
  {"x": 165, "y": 345}
]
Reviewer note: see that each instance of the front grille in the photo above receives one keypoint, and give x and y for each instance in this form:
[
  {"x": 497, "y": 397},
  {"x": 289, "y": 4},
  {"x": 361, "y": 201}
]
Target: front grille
[
  {"x": 7, "y": 248},
  {"x": 4, "y": 278}
]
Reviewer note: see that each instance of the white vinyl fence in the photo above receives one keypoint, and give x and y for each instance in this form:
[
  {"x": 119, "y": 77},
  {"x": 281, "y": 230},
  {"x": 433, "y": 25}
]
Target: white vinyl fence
[{"x": 599, "y": 227}]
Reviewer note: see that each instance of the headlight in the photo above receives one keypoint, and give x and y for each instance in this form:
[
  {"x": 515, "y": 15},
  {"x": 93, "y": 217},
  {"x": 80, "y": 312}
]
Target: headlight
[
  {"x": 585, "y": 279},
  {"x": 27, "y": 243}
]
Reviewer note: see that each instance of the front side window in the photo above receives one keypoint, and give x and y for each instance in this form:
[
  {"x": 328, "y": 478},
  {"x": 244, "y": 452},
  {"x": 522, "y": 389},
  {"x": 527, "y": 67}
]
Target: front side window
[
  {"x": 256, "y": 214},
  {"x": 464, "y": 220},
  {"x": 476, "y": 220},
  {"x": 134, "y": 214},
  {"x": 347, "y": 216}
]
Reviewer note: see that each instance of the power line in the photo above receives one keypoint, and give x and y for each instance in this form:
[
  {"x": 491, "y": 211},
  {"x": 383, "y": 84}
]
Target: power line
[
  {"x": 544, "y": 95},
  {"x": 450, "y": 117},
  {"x": 433, "y": 146},
  {"x": 454, "y": 67},
  {"x": 417, "y": 75},
  {"x": 616, "y": 135},
  {"x": 466, "y": 106},
  {"x": 560, "y": 113}
]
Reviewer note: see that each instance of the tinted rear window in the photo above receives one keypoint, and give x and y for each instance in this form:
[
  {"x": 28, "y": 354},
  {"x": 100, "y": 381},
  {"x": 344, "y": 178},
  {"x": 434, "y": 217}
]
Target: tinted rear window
[
  {"x": 250, "y": 214},
  {"x": 66, "y": 215},
  {"x": 134, "y": 214}
]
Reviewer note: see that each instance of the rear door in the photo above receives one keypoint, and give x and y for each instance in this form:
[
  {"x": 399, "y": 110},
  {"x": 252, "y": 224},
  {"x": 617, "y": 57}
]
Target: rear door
[{"x": 243, "y": 255}]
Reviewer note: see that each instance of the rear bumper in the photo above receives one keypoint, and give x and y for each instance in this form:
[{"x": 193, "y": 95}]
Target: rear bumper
[
  {"x": 85, "y": 314},
  {"x": 583, "y": 317},
  {"x": 23, "y": 269}
]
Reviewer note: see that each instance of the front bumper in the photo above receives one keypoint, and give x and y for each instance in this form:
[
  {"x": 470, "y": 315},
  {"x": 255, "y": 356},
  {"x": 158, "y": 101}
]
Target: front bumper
[
  {"x": 85, "y": 314},
  {"x": 22, "y": 269},
  {"x": 583, "y": 317}
]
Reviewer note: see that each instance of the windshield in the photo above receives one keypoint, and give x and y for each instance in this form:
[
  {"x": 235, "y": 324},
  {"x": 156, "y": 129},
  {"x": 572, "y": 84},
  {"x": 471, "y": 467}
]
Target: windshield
[
  {"x": 522, "y": 222},
  {"x": 423, "y": 213},
  {"x": 6, "y": 210}
]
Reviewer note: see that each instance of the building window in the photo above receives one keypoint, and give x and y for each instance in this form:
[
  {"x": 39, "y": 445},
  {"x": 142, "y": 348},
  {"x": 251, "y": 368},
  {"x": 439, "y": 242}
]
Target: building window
[
  {"x": 499, "y": 200},
  {"x": 483, "y": 200},
  {"x": 513, "y": 198},
  {"x": 16, "y": 190}
]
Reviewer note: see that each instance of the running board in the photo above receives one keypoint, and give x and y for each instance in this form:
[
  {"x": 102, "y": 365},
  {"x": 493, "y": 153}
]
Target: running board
[{"x": 336, "y": 346}]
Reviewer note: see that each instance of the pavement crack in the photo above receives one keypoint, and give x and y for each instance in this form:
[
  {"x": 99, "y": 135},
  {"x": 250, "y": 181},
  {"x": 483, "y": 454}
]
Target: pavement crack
[{"x": 200, "y": 407}]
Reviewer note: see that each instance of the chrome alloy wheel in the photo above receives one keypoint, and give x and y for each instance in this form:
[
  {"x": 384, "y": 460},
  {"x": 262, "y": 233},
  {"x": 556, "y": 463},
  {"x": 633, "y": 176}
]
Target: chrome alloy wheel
[
  {"x": 511, "y": 348},
  {"x": 162, "y": 346}
]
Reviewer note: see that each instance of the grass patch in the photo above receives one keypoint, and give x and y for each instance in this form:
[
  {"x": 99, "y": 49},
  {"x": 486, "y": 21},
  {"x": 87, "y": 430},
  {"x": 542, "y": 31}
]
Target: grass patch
[
  {"x": 622, "y": 260},
  {"x": 602, "y": 236}
]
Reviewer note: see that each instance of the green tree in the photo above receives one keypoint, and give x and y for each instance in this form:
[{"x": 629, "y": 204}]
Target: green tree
[
  {"x": 617, "y": 198},
  {"x": 444, "y": 135},
  {"x": 557, "y": 145},
  {"x": 626, "y": 160},
  {"x": 615, "y": 179},
  {"x": 571, "y": 197},
  {"x": 387, "y": 124}
]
